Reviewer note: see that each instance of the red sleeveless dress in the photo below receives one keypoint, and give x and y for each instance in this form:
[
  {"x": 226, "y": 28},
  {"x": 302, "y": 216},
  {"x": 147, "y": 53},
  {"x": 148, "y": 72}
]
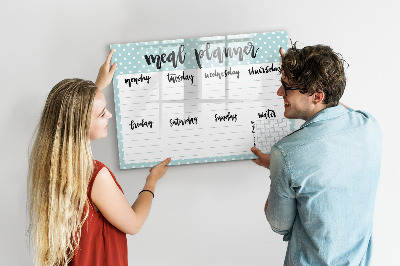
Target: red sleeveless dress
[{"x": 101, "y": 243}]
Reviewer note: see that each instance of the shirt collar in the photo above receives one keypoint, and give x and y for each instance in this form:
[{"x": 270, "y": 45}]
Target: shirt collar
[{"x": 326, "y": 114}]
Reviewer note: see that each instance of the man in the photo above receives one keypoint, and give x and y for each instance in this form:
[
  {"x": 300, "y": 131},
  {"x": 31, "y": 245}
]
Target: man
[{"x": 323, "y": 176}]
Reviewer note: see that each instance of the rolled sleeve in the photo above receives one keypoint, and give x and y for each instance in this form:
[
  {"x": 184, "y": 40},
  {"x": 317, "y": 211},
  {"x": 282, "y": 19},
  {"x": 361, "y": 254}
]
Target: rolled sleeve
[{"x": 281, "y": 210}]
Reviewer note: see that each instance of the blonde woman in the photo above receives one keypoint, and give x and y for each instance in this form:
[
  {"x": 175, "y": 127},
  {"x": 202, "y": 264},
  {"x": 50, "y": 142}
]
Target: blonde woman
[{"x": 78, "y": 212}]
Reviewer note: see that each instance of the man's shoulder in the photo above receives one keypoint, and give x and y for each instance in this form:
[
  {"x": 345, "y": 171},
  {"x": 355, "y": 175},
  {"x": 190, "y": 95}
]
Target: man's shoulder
[
  {"x": 292, "y": 142},
  {"x": 306, "y": 138},
  {"x": 365, "y": 116}
]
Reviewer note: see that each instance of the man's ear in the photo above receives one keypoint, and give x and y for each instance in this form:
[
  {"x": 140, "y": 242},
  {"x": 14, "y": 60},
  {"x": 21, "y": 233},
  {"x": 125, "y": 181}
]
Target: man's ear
[{"x": 318, "y": 97}]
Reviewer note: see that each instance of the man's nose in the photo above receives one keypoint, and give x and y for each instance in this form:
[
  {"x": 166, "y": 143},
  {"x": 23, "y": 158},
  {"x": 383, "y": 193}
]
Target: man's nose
[{"x": 280, "y": 91}]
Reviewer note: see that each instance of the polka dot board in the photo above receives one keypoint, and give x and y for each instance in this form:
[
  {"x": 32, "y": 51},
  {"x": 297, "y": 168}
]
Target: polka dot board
[{"x": 194, "y": 99}]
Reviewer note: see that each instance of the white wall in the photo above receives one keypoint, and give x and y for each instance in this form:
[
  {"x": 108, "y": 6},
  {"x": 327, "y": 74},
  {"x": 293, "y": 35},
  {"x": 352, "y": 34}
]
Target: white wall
[{"x": 209, "y": 214}]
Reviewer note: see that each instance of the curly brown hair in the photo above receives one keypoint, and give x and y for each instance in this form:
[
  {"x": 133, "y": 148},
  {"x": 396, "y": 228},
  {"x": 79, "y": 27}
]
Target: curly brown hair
[{"x": 316, "y": 69}]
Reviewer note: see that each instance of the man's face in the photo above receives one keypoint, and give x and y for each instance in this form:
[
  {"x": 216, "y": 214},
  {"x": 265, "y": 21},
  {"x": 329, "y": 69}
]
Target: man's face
[{"x": 297, "y": 104}]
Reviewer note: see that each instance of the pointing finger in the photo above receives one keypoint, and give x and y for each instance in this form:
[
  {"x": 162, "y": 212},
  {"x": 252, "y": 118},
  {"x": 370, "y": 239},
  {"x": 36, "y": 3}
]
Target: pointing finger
[{"x": 108, "y": 60}]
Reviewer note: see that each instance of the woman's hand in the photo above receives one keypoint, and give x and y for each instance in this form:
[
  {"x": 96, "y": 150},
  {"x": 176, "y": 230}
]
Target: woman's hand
[
  {"x": 105, "y": 73},
  {"x": 158, "y": 171}
]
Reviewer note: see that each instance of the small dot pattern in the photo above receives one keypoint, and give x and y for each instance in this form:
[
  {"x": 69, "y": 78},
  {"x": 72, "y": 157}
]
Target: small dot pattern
[{"x": 130, "y": 59}]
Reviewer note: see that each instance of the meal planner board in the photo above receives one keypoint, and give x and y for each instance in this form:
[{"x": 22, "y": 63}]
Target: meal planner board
[{"x": 198, "y": 100}]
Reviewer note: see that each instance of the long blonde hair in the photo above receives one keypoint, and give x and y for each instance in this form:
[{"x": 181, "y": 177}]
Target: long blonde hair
[{"x": 60, "y": 168}]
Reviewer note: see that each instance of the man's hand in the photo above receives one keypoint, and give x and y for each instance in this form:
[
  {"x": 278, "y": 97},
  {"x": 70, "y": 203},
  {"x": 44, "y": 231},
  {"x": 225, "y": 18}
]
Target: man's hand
[
  {"x": 105, "y": 73},
  {"x": 281, "y": 52},
  {"x": 266, "y": 206},
  {"x": 263, "y": 159},
  {"x": 345, "y": 106}
]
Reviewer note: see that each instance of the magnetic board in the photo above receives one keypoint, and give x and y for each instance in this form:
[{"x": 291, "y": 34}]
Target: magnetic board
[{"x": 198, "y": 100}]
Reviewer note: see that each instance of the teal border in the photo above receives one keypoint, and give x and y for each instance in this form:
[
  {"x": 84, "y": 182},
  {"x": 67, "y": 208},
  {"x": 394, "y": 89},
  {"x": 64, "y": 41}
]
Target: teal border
[
  {"x": 130, "y": 57},
  {"x": 292, "y": 125},
  {"x": 192, "y": 161},
  {"x": 122, "y": 164}
]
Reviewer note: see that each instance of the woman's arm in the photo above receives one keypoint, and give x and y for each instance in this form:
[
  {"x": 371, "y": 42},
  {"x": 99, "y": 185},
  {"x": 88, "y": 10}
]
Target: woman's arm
[{"x": 114, "y": 206}]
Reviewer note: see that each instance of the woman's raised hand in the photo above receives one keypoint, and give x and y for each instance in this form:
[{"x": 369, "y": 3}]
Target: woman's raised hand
[{"x": 106, "y": 73}]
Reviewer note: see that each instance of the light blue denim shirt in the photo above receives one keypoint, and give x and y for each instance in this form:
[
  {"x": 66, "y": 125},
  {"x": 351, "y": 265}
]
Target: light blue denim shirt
[{"x": 323, "y": 183}]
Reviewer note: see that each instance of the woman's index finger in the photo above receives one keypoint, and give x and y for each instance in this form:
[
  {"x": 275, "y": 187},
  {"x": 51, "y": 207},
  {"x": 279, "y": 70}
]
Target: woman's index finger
[{"x": 108, "y": 60}]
